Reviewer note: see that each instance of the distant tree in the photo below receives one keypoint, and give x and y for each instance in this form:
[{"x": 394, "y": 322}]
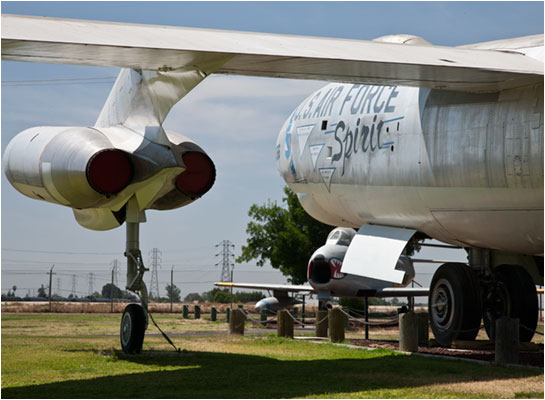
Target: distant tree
[
  {"x": 246, "y": 297},
  {"x": 14, "y": 288},
  {"x": 173, "y": 293},
  {"x": 192, "y": 297},
  {"x": 284, "y": 237},
  {"x": 109, "y": 289},
  {"x": 222, "y": 296},
  {"x": 209, "y": 296},
  {"x": 42, "y": 292}
]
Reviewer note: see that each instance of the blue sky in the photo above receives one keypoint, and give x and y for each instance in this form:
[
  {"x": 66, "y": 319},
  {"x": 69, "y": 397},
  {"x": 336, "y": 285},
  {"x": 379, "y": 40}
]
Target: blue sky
[{"x": 235, "y": 119}]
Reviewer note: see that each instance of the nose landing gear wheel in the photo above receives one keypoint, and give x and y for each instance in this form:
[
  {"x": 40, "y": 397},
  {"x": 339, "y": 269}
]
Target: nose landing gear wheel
[
  {"x": 454, "y": 304},
  {"x": 133, "y": 326}
]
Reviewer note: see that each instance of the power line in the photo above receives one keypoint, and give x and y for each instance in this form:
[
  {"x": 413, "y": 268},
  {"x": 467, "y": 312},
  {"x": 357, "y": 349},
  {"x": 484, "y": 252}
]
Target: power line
[
  {"x": 58, "y": 79},
  {"x": 58, "y": 252}
]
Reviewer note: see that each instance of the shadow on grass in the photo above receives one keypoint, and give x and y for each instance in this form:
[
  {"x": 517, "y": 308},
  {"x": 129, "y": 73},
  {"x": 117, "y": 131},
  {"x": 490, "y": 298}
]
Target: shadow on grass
[{"x": 226, "y": 375}]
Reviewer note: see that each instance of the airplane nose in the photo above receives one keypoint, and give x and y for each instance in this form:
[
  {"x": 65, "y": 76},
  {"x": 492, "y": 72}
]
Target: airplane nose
[{"x": 262, "y": 305}]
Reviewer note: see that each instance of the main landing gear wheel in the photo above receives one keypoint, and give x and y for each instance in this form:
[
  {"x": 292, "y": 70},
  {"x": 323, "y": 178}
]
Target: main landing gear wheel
[
  {"x": 454, "y": 304},
  {"x": 133, "y": 326},
  {"x": 513, "y": 295}
]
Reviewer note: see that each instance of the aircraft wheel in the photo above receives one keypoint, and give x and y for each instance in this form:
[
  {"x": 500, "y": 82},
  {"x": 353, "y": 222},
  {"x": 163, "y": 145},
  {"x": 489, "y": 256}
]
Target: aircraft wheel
[
  {"x": 133, "y": 326},
  {"x": 514, "y": 295},
  {"x": 454, "y": 304}
]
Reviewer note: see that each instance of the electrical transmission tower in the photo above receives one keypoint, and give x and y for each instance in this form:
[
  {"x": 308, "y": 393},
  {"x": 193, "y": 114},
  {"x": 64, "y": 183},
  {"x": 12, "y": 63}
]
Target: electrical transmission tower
[
  {"x": 59, "y": 289},
  {"x": 155, "y": 261},
  {"x": 226, "y": 254},
  {"x": 115, "y": 269},
  {"x": 91, "y": 283},
  {"x": 73, "y": 285}
]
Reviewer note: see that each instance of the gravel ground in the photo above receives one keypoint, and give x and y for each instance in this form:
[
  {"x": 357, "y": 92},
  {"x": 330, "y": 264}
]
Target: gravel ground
[{"x": 531, "y": 358}]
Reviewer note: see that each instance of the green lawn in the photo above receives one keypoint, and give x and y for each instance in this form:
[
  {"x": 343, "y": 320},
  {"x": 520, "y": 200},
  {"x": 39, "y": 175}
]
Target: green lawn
[{"x": 75, "y": 355}]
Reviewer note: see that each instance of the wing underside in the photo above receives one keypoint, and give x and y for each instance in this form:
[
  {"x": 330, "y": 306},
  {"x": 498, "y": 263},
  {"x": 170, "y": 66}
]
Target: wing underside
[
  {"x": 266, "y": 286},
  {"x": 162, "y": 48}
]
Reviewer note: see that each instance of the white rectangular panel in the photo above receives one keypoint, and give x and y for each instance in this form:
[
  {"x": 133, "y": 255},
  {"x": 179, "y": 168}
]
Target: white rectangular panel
[{"x": 374, "y": 251}]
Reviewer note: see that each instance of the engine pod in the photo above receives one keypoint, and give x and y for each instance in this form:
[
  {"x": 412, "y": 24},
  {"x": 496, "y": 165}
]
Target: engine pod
[{"x": 75, "y": 166}]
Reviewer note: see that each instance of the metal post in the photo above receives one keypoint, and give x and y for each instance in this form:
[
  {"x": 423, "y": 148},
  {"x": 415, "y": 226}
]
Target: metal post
[
  {"x": 232, "y": 288},
  {"x": 50, "y": 283},
  {"x": 303, "y": 316},
  {"x": 112, "y": 290},
  {"x": 366, "y": 318},
  {"x": 171, "y": 286}
]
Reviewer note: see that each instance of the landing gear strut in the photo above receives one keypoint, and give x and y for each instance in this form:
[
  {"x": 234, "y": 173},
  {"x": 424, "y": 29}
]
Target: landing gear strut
[{"x": 135, "y": 317}]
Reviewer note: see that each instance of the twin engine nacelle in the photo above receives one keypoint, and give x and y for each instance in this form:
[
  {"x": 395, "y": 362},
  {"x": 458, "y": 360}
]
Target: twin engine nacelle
[{"x": 96, "y": 171}]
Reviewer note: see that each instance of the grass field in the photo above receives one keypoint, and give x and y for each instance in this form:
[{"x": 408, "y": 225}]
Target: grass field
[{"x": 77, "y": 355}]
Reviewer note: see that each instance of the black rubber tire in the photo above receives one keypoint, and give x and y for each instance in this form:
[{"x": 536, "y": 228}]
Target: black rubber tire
[
  {"x": 522, "y": 302},
  {"x": 133, "y": 326},
  {"x": 454, "y": 304}
]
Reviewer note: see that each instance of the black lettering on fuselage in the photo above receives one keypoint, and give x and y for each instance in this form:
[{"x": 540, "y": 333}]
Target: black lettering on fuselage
[{"x": 349, "y": 141}]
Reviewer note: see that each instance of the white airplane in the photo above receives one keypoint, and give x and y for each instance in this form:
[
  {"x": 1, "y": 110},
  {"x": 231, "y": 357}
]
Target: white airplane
[
  {"x": 450, "y": 147},
  {"x": 326, "y": 279}
]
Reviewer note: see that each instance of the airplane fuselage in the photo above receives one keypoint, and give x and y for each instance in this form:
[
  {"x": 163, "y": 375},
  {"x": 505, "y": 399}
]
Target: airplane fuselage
[{"x": 464, "y": 168}]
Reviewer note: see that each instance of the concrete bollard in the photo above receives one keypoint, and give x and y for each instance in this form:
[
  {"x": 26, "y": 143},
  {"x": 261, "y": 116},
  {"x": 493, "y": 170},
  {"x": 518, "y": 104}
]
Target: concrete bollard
[
  {"x": 507, "y": 340},
  {"x": 197, "y": 312},
  {"x": 185, "y": 311},
  {"x": 423, "y": 328},
  {"x": 408, "y": 332},
  {"x": 284, "y": 325},
  {"x": 213, "y": 314},
  {"x": 227, "y": 314},
  {"x": 236, "y": 322},
  {"x": 321, "y": 323},
  {"x": 263, "y": 317},
  {"x": 336, "y": 325}
]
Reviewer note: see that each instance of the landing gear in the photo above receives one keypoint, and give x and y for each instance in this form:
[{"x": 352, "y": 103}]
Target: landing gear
[
  {"x": 454, "y": 304},
  {"x": 133, "y": 327},
  {"x": 135, "y": 317},
  {"x": 512, "y": 294}
]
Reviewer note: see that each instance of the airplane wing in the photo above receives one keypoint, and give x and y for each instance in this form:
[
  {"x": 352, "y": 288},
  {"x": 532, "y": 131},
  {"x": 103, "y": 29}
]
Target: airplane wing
[
  {"x": 266, "y": 286},
  {"x": 402, "y": 292},
  {"x": 165, "y": 48}
]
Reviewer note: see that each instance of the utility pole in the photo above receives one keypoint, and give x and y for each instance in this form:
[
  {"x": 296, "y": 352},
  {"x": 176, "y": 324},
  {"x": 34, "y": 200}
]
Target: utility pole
[
  {"x": 171, "y": 286},
  {"x": 226, "y": 263},
  {"x": 50, "y": 283},
  {"x": 112, "y": 288}
]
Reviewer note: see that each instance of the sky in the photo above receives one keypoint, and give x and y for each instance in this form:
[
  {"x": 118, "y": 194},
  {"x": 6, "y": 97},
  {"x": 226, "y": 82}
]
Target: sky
[{"x": 235, "y": 119}]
